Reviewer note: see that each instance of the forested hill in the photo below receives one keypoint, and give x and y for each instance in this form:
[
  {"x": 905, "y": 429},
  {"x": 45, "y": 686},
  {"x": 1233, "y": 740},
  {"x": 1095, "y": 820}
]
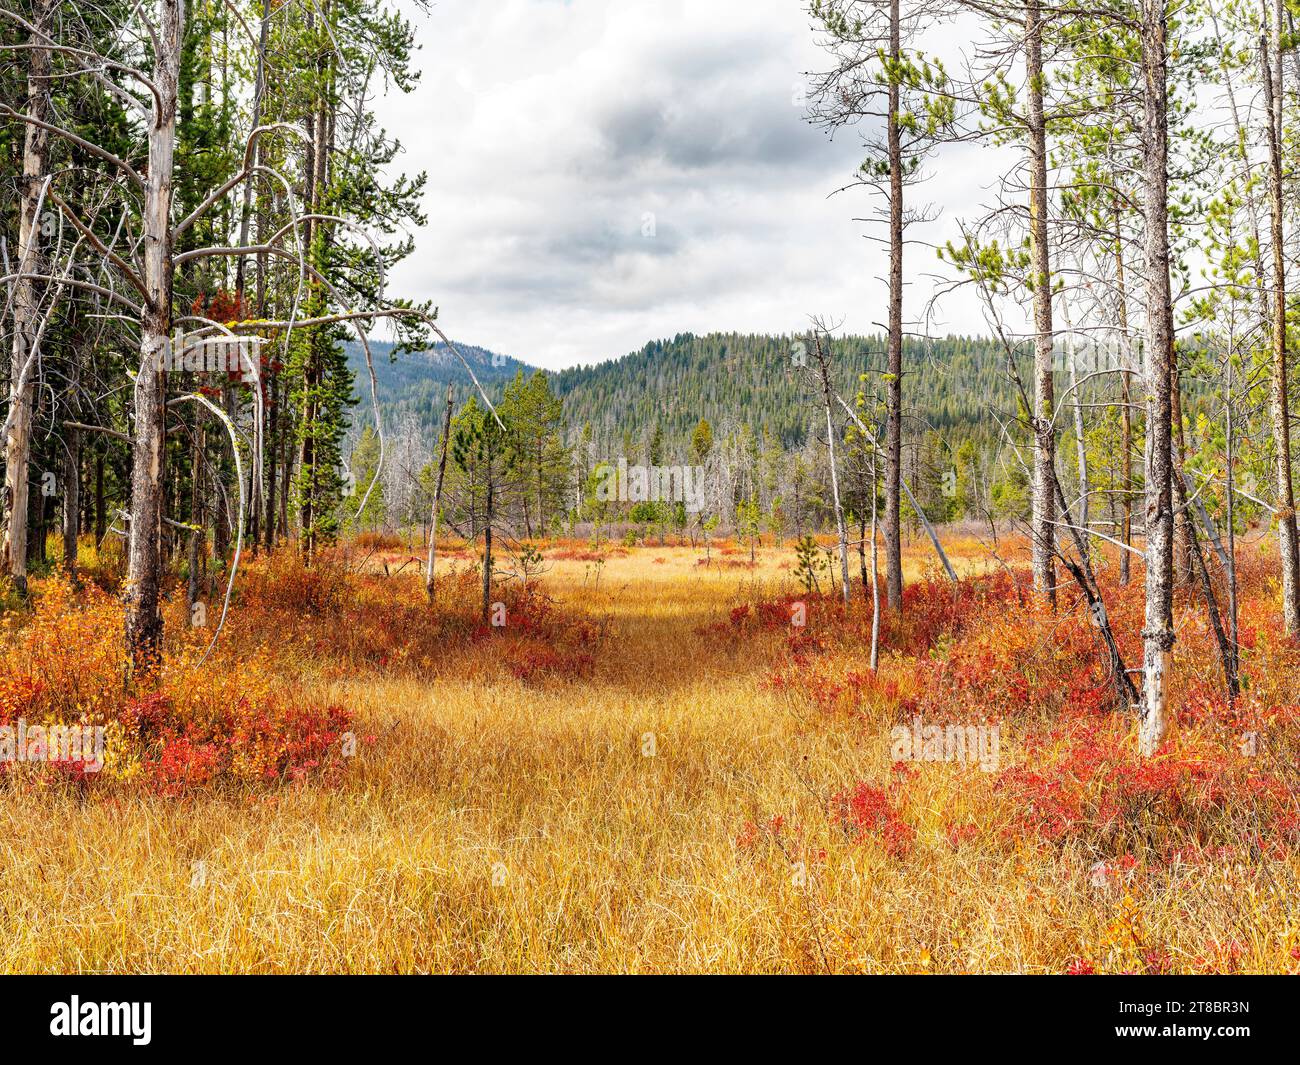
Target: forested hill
[
  {"x": 951, "y": 384},
  {"x": 732, "y": 377},
  {"x": 417, "y": 383}
]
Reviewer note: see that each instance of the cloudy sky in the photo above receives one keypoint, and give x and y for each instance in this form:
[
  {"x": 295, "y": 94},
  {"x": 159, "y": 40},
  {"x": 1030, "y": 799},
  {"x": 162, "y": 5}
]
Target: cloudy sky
[{"x": 607, "y": 172}]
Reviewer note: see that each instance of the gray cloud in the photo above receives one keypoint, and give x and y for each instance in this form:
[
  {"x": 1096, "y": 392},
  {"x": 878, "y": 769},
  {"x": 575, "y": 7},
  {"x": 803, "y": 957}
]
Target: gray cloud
[{"x": 602, "y": 172}]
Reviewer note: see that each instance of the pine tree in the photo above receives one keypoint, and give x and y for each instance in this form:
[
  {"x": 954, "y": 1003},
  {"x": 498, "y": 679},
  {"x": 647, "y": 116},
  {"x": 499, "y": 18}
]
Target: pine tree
[{"x": 485, "y": 456}]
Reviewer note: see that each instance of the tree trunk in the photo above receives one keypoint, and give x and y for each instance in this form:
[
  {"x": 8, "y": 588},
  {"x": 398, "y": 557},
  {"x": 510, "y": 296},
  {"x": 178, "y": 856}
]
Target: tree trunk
[
  {"x": 1229, "y": 446},
  {"x": 875, "y": 577},
  {"x": 429, "y": 579},
  {"x": 1081, "y": 453},
  {"x": 541, "y": 487},
  {"x": 1086, "y": 579},
  {"x": 911, "y": 496},
  {"x": 1043, "y": 504},
  {"x": 1278, "y": 399},
  {"x": 487, "y": 554},
  {"x": 196, "y": 511},
  {"x": 71, "y": 497},
  {"x": 22, "y": 380},
  {"x": 286, "y": 479},
  {"x": 1126, "y": 409},
  {"x": 273, "y": 465},
  {"x": 823, "y": 366},
  {"x": 144, "y": 623},
  {"x": 1157, "y": 633},
  {"x": 839, "y": 510},
  {"x": 271, "y": 385},
  {"x": 862, "y": 554},
  {"x": 1227, "y": 650},
  {"x": 894, "y": 391},
  {"x": 1184, "y": 567},
  {"x": 101, "y": 509}
]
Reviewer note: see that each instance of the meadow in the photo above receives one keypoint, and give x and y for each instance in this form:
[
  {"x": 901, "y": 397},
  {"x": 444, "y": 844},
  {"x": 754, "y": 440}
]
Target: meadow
[{"x": 650, "y": 767}]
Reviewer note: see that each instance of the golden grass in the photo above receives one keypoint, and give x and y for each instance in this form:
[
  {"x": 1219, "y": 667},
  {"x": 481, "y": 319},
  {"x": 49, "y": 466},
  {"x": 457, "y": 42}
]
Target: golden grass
[{"x": 592, "y": 826}]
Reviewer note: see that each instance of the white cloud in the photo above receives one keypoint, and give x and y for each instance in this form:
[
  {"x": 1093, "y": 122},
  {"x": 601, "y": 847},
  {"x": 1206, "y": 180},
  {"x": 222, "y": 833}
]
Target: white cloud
[{"x": 552, "y": 131}]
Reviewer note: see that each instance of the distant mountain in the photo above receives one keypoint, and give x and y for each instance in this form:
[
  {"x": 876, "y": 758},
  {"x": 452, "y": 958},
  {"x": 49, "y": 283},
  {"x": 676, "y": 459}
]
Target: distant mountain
[
  {"x": 417, "y": 383},
  {"x": 727, "y": 378},
  {"x": 731, "y": 377}
]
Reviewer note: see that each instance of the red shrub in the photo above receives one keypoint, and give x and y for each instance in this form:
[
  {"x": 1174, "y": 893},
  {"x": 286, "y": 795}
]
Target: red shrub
[{"x": 868, "y": 811}]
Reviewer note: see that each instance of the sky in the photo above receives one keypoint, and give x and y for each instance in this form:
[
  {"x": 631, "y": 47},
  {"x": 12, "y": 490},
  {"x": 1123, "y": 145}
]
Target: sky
[{"x": 603, "y": 173}]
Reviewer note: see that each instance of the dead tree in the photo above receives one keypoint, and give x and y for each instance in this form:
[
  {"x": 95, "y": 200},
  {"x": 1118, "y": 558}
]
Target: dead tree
[
  {"x": 881, "y": 78},
  {"x": 1158, "y": 632},
  {"x": 907, "y": 490},
  {"x": 144, "y": 561},
  {"x": 26, "y": 294},
  {"x": 822, "y": 372},
  {"x": 1271, "y": 72},
  {"x": 1043, "y": 513},
  {"x": 429, "y": 578}
]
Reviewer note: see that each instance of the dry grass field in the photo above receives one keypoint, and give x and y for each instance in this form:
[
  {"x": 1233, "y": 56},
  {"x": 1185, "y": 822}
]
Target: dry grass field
[{"x": 647, "y": 769}]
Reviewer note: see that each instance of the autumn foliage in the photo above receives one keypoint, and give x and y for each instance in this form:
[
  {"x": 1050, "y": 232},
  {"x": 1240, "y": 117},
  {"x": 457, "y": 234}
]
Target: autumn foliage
[{"x": 644, "y": 735}]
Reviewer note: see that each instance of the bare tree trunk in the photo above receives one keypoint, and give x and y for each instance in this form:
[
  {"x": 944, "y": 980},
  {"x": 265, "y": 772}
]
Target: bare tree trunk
[
  {"x": 1043, "y": 518},
  {"x": 1229, "y": 457},
  {"x": 875, "y": 577},
  {"x": 241, "y": 267},
  {"x": 1086, "y": 579},
  {"x": 144, "y": 563},
  {"x": 1157, "y": 633},
  {"x": 286, "y": 479},
  {"x": 317, "y": 171},
  {"x": 273, "y": 465},
  {"x": 196, "y": 511},
  {"x": 839, "y": 510},
  {"x": 72, "y": 472},
  {"x": 823, "y": 366},
  {"x": 487, "y": 553},
  {"x": 259, "y": 89},
  {"x": 911, "y": 496},
  {"x": 429, "y": 579},
  {"x": 22, "y": 380},
  {"x": 862, "y": 554},
  {"x": 1081, "y": 448},
  {"x": 1278, "y": 399},
  {"x": 101, "y": 509},
  {"x": 269, "y": 517},
  {"x": 894, "y": 391},
  {"x": 1184, "y": 534},
  {"x": 1227, "y": 650},
  {"x": 1126, "y": 408}
]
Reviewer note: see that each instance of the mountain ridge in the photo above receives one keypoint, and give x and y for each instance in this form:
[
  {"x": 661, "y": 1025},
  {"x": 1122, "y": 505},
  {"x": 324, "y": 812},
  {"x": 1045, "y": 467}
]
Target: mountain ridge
[{"x": 725, "y": 378}]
